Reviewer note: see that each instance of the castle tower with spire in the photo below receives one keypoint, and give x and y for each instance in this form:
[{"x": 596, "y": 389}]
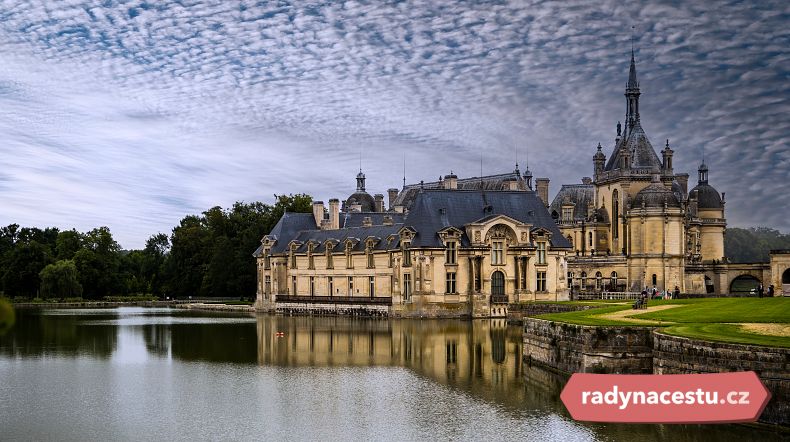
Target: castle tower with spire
[{"x": 634, "y": 225}]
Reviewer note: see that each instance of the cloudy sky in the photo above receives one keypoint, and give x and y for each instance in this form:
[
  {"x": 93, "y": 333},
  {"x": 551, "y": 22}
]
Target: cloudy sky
[{"x": 132, "y": 114}]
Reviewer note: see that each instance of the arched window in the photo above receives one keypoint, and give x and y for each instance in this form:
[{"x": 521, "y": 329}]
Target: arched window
[
  {"x": 615, "y": 214},
  {"x": 598, "y": 277},
  {"x": 497, "y": 283},
  {"x": 613, "y": 281},
  {"x": 584, "y": 280}
]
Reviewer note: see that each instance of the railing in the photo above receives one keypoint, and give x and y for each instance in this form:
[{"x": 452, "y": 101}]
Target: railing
[
  {"x": 587, "y": 296},
  {"x": 335, "y": 299},
  {"x": 499, "y": 299}
]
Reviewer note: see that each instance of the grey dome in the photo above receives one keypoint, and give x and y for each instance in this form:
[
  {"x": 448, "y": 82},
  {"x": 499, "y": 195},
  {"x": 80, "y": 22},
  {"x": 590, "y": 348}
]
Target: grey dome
[
  {"x": 364, "y": 199},
  {"x": 655, "y": 195},
  {"x": 707, "y": 197}
]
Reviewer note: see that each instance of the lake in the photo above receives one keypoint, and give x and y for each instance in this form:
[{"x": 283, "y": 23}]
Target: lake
[{"x": 169, "y": 374}]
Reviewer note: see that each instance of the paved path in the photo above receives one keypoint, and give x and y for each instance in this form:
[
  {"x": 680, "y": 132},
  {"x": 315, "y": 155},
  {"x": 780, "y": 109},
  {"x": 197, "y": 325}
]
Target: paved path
[{"x": 626, "y": 315}]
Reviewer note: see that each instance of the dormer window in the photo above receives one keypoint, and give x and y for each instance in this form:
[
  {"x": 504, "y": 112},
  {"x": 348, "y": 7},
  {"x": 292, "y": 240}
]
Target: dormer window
[
  {"x": 267, "y": 260},
  {"x": 451, "y": 253},
  {"x": 369, "y": 255},
  {"x": 329, "y": 261},
  {"x": 406, "y": 254},
  {"x": 349, "y": 257},
  {"x": 292, "y": 255},
  {"x": 310, "y": 258}
]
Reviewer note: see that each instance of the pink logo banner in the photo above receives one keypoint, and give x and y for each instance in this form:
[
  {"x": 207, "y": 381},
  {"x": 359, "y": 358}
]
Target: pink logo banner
[{"x": 669, "y": 399}]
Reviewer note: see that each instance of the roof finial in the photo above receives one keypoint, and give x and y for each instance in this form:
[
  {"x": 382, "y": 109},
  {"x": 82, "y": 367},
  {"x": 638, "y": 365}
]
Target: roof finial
[{"x": 404, "y": 170}]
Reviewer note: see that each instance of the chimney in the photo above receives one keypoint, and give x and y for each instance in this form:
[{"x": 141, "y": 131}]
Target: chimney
[
  {"x": 586, "y": 180},
  {"x": 318, "y": 212},
  {"x": 367, "y": 221},
  {"x": 450, "y": 181},
  {"x": 379, "y": 198},
  {"x": 542, "y": 187},
  {"x": 334, "y": 213},
  {"x": 683, "y": 180},
  {"x": 511, "y": 184},
  {"x": 387, "y": 220},
  {"x": 393, "y": 193}
]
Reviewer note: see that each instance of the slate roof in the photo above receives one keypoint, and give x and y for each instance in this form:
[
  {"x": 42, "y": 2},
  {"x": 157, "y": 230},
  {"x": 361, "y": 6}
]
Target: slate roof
[
  {"x": 355, "y": 219},
  {"x": 655, "y": 195},
  {"x": 462, "y": 207},
  {"x": 643, "y": 156},
  {"x": 582, "y": 195},
  {"x": 357, "y": 234},
  {"x": 490, "y": 182},
  {"x": 707, "y": 197},
  {"x": 288, "y": 227}
]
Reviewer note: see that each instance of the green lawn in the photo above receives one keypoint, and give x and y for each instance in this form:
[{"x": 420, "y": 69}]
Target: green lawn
[
  {"x": 710, "y": 319},
  {"x": 725, "y": 333}
]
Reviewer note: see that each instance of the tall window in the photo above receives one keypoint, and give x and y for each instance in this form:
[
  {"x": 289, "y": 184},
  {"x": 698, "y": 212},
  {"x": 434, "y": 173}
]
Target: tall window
[
  {"x": 267, "y": 261},
  {"x": 329, "y": 262},
  {"x": 450, "y": 283},
  {"x": 407, "y": 285},
  {"x": 372, "y": 286},
  {"x": 349, "y": 257},
  {"x": 540, "y": 282},
  {"x": 523, "y": 273},
  {"x": 406, "y": 255},
  {"x": 293, "y": 285},
  {"x": 590, "y": 242},
  {"x": 655, "y": 279},
  {"x": 390, "y": 259},
  {"x": 310, "y": 259},
  {"x": 450, "y": 253},
  {"x": 369, "y": 256},
  {"x": 331, "y": 285},
  {"x": 312, "y": 286},
  {"x": 267, "y": 286},
  {"x": 567, "y": 213},
  {"x": 613, "y": 281},
  {"x": 598, "y": 277},
  {"x": 542, "y": 252},
  {"x": 350, "y": 286},
  {"x": 584, "y": 281},
  {"x": 615, "y": 214},
  {"x": 497, "y": 253},
  {"x": 293, "y": 256}
]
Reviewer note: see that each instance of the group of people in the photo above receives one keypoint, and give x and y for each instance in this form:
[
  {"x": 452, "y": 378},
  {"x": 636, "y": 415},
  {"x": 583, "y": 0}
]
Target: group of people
[
  {"x": 663, "y": 294},
  {"x": 761, "y": 291}
]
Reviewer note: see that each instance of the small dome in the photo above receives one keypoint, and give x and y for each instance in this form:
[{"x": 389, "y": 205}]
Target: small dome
[
  {"x": 364, "y": 199},
  {"x": 655, "y": 195},
  {"x": 707, "y": 197}
]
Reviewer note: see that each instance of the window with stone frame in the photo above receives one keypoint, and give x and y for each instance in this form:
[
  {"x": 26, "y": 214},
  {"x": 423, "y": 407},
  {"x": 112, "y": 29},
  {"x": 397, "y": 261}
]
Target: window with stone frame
[
  {"x": 349, "y": 256},
  {"x": 372, "y": 286},
  {"x": 584, "y": 281},
  {"x": 598, "y": 278},
  {"x": 540, "y": 282},
  {"x": 369, "y": 255},
  {"x": 293, "y": 285},
  {"x": 292, "y": 255},
  {"x": 451, "y": 253},
  {"x": 267, "y": 260},
  {"x": 541, "y": 252},
  {"x": 406, "y": 285},
  {"x": 450, "y": 283},
  {"x": 310, "y": 257},
  {"x": 350, "y": 286},
  {"x": 406, "y": 254},
  {"x": 330, "y": 282},
  {"x": 329, "y": 259},
  {"x": 312, "y": 286},
  {"x": 497, "y": 252},
  {"x": 613, "y": 281}
]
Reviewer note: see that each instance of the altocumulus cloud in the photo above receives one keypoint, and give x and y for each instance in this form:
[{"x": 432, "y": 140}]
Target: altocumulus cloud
[{"x": 132, "y": 114}]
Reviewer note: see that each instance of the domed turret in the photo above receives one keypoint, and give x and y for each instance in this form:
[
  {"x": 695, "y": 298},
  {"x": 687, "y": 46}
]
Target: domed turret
[
  {"x": 655, "y": 195},
  {"x": 707, "y": 196}
]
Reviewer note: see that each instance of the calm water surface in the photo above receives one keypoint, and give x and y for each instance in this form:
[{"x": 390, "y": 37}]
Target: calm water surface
[{"x": 157, "y": 374}]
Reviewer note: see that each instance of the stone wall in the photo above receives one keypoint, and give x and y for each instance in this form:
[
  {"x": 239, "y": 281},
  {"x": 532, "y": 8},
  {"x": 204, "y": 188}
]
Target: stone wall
[
  {"x": 517, "y": 312},
  {"x": 676, "y": 355},
  {"x": 430, "y": 310},
  {"x": 584, "y": 349}
]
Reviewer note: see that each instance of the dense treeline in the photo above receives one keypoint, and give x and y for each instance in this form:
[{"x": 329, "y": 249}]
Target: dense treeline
[
  {"x": 209, "y": 255},
  {"x": 753, "y": 244}
]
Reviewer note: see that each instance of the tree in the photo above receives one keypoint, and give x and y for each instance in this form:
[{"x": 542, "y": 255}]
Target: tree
[
  {"x": 753, "y": 244},
  {"x": 22, "y": 268},
  {"x": 67, "y": 244},
  {"x": 59, "y": 280}
]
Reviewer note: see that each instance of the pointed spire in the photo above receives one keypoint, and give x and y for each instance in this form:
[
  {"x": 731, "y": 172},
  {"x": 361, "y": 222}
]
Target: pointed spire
[{"x": 632, "y": 81}]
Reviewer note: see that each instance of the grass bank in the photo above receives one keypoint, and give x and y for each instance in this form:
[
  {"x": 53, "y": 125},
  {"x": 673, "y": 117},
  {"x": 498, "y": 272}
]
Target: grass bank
[{"x": 714, "y": 319}]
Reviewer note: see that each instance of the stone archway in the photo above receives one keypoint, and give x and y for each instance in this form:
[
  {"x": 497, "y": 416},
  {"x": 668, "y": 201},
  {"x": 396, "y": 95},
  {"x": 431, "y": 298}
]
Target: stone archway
[
  {"x": 786, "y": 282},
  {"x": 743, "y": 284},
  {"x": 497, "y": 283}
]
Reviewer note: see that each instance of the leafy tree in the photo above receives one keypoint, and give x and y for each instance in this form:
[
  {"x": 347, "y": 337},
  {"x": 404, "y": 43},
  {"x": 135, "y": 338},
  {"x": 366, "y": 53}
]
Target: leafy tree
[
  {"x": 59, "y": 280},
  {"x": 753, "y": 244},
  {"x": 22, "y": 268},
  {"x": 68, "y": 243}
]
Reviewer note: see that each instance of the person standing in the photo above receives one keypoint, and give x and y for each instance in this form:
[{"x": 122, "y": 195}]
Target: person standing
[
  {"x": 760, "y": 290},
  {"x": 676, "y": 293},
  {"x": 771, "y": 291}
]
